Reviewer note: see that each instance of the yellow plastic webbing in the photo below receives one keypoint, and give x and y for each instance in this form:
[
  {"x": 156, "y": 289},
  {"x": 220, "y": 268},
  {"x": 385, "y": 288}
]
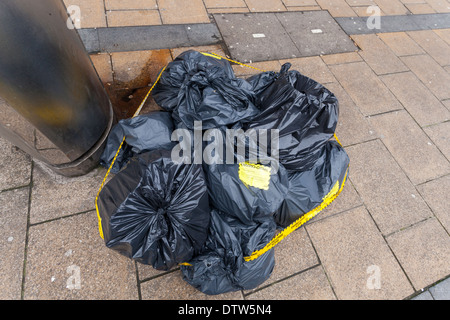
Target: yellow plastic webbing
[
  {"x": 138, "y": 110},
  {"x": 328, "y": 199}
]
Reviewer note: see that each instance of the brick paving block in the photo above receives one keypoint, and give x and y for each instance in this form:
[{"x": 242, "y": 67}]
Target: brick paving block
[
  {"x": 55, "y": 196},
  {"x": 359, "y": 3},
  {"x": 299, "y": 3},
  {"x": 337, "y": 8},
  {"x": 447, "y": 102},
  {"x": 423, "y": 251},
  {"x": 441, "y": 6},
  {"x": 434, "y": 45},
  {"x": 440, "y": 134},
  {"x": 412, "y": 1},
  {"x": 217, "y": 49},
  {"x": 15, "y": 166},
  {"x": 128, "y": 18},
  {"x": 352, "y": 126},
  {"x": 339, "y": 58},
  {"x": 392, "y": 7},
  {"x": 423, "y": 106},
  {"x": 356, "y": 258},
  {"x": 419, "y": 8},
  {"x": 365, "y": 88},
  {"x": 171, "y": 286},
  {"x": 400, "y": 43},
  {"x": 309, "y": 285},
  {"x": 441, "y": 291},
  {"x": 225, "y": 4},
  {"x": 306, "y": 8},
  {"x": 435, "y": 194},
  {"x": 92, "y": 12},
  {"x": 431, "y": 74},
  {"x": 130, "y": 4},
  {"x": 386, "y": 191},
  {"x": 444, "y": 34},
  {"x": 67, "y": 260},
  {"x": 312, "y": 67},
  {"x": 377, "y": 54},
  {"x": 13, "y": 228},
  {"x": 137, "y": 69},
  {"x": 265, "y": 5},
  {"x": 413, "y": 150},
  {"x": 180, "y": 11},
  {"x": 103, "y": 66},
  {"x": 243, "y": 71},
  {"x": 228, "y": 10},
  {"x": 365, "y": 12},
  {"x": 292, "y": 255}
]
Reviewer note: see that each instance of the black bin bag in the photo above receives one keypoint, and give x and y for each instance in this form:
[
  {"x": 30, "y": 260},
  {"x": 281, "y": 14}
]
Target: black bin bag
[
  {"x": 145, "y": 132},
  {"x": 202, "y": 87},
  {"x": 156, "y": 211},
  {"x": 304, "y": 112},
  {"x": 249, "y": 192},
  {"x": 308, "y": 188},
  {"x": 221, "y": 267}
]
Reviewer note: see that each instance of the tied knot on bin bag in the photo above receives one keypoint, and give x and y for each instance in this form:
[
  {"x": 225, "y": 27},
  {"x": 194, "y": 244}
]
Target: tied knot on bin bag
[{"x": 219, "y": 221}]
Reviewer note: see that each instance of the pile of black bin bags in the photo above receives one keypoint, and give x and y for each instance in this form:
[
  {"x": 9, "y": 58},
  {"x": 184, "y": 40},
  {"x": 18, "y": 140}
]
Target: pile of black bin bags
[{"x": 208, "y": 217}]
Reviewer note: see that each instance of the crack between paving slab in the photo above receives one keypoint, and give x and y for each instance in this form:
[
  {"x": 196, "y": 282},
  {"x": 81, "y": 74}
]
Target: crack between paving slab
[{"x": 25, "y": 251}]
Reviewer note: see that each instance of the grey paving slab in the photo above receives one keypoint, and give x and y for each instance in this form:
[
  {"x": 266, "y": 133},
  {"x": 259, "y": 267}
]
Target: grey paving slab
[
  {"x": 424, "y": 107},
  {"x": 426, "y": 295},
  {"x": 300, "y": 27},
  {"x": 431, "y": 21},
  {"x": 423, "y": 250},
  {"x": 311, "y": 284},
  {"x": 356, "y": 258},
  {"x": 255, "y": 37},
  {"x": 157, "y": 37},
  {"x": 355, "y": 25},
  {"x": 55, "y": 196},
  {"x": 412, "y": 149},
  {"x": 388, "y": 194},
  {"x": 67, "y": 260},
  {"x": 441, "y": 291},
  {"x": 15, "y": 166},
  {"x": 201, "y": 34},
  {"x": 272, "y": 36},
  {"x": 435, "y": 194},
  {"x": 364, "y": 87},
  {"x": 90, "y": 39},
  {"x": 394, "y": 23},
  {"x": 13, "y": 228}
]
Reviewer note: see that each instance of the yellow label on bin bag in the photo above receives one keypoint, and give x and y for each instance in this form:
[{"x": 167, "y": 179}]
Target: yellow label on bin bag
[{"x": 255, "y": 175}]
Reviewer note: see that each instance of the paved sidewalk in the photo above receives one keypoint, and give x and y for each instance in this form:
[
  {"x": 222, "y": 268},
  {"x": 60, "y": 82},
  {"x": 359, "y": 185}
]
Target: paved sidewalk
[{"x": 385, "y": 237}]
